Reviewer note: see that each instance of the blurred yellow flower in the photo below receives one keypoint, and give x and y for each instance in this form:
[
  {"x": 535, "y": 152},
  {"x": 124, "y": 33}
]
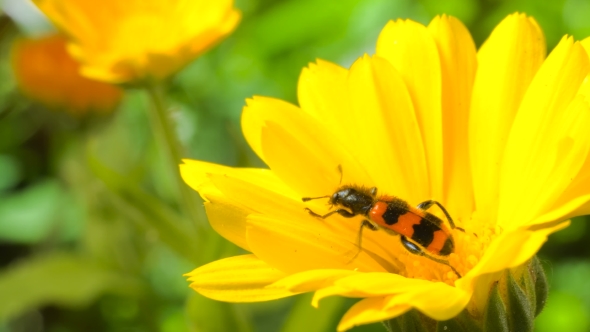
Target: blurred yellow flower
[
  {"x": 130, "y": 41},
  {"x": 498, "y": 136},
  {"x": 46, "y": 72}
]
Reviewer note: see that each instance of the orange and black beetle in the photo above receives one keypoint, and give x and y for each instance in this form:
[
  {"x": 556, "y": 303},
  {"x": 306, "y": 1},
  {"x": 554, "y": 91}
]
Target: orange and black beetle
[{"x": 422, "y": 233}]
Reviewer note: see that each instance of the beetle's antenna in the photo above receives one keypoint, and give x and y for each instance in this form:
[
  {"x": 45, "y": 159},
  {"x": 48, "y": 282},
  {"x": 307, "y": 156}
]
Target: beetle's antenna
[
  {"x": 341, "y": 173},
  {"x": 305, "y": 199}
]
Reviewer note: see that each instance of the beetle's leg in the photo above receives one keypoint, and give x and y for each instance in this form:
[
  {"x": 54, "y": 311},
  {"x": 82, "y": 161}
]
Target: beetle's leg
[
  {"x": 342, "y": 212},
  {"x": 359, "y": 239},
  {"x": 429, "y": 203},
  {"x": 416, "y": 250}
]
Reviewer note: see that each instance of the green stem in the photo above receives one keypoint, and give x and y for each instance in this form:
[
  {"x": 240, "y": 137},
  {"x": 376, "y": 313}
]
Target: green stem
[{"x": 162, "y": 124}]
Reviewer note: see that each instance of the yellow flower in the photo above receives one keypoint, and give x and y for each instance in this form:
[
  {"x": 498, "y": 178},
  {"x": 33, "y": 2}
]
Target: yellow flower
[
  {"x": 130, "y": 41},
  {"x": 498, "y": 136},
  {"x": 46, "y": 72}
]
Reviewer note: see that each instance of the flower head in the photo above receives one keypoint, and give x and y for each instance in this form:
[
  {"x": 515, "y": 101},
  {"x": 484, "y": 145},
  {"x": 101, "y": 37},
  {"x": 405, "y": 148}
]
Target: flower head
[
  {"x": 130, "y": 41},
  {"x": 46, "y": 72},
  {"x": 497, "y": 136}
]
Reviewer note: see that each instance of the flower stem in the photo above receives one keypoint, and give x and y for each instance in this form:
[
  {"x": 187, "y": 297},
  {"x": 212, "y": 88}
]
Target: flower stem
[{"x": 166, "y": 134}]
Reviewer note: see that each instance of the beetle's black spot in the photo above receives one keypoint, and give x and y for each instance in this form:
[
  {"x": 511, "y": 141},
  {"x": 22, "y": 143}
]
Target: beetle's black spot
[
  {"x": 448, "y": 247},
  {"x": 395, "y": 210},
  {"x": 424, "y": 233}
]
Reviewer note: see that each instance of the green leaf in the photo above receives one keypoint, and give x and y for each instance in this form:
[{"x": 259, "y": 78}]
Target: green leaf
[
  {"x": 213, "y": 316},
  {"x": 138, "y": 205},
  {"x": 60, "y": 279},
  {"x": 28, "y": 216},
  {"x": 10, "y": 170}
]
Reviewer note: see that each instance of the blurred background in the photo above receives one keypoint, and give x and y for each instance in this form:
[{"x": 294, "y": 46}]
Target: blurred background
[{"x": 92, "y": 237}]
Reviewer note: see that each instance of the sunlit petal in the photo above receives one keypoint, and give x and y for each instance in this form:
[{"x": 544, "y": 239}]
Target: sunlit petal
[
  {"x": 237, "y": 279},
  {"x": 410, "y": 48},
  {"x": 507, "y": 63}
]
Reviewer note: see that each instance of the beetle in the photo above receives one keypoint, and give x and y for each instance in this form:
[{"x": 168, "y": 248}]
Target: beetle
[{"x": 421, "y": 232}]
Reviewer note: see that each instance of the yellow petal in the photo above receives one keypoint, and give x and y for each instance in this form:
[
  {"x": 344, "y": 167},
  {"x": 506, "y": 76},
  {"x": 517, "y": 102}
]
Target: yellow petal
[
  {"x": 322, "y": 92},
  {"x": 388, "y": 134},
  {"x": 303, "y": 155},
  {"x": 311, "y": 280},
  {"x": 228, "y": 219},
  {"x": 438, "y": 301},
  {"x": 198, "y": 175},
  {"x": 372, "y": 284},
  {"x": 575, "y": 201},
  {"x": 259, "y": 196},
  {"x": 435, "y": 299},
  {"x": 458, "y": 65},
  {"x": 507, "y": 62},
  {"x": 237, "y": 279},
  {"x": 256, "y": 113},
  {"x": 409, "y": 47},
  {"x": 227, "y": 209},
  {"x": 548, "y": 142},
  {"x": 368, "y": 311},
  {"x": 295, "y": 246}
]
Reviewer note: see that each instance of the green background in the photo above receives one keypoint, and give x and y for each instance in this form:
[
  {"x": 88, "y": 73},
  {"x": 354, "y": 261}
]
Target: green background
[{"x": 92, "y": 237}]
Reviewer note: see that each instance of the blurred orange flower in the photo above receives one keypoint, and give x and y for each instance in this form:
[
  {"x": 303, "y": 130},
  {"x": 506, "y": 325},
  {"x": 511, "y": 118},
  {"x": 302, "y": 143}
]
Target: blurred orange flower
[
  {"x": 46, "y": 72},
  {"x": 133, "y": 41}
]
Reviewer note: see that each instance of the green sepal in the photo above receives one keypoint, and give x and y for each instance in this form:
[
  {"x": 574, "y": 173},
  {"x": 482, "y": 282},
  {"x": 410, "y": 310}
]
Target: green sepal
[
  {"x": 411, "y": 321},
  {"x": 391, "y": 325},
  {"x": 414, "y": 321},
  {"x": 463, "y": 322},
  {"x": 495, "y": 318},
  {"x": 521, "y": 315},
  {"x": 541, "y": 286},
  {"x": 528, "y": 284}
]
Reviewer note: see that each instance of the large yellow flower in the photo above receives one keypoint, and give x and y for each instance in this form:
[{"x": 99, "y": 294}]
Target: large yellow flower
[
  {"x": 133, "y": 40},
  {"x": 498, "y": 136},
  {"x": 46, "y": 72}
]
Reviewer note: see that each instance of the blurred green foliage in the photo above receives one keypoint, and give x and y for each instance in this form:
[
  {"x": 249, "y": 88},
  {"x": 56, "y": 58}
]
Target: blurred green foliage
[{"x": 92, "y": 236}]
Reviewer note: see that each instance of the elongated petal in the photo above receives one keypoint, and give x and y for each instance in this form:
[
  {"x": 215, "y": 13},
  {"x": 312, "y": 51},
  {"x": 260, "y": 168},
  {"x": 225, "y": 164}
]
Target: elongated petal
[
  {"x": 322, "y": 92},
  {"x": 548, "y": 142},
  {"x": 237, "y": 279},
  {"x": 410, "y": 48},
  {"x": 458, "y": 65},
  {"x": 311, "y": 280},
  {"x": 370, "y": 310},
  {"x": 575, "y": 200},
  {"x": 306, "y": 246},
  {"x": 290, "y": 151},
  {"x": 507, "y": 62},
  {"x": 228, "y": 203},
  {"x": 255, "y": 115},
  {"x": 391, "y": 144},
  {"x": 435, "y": 299}
]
